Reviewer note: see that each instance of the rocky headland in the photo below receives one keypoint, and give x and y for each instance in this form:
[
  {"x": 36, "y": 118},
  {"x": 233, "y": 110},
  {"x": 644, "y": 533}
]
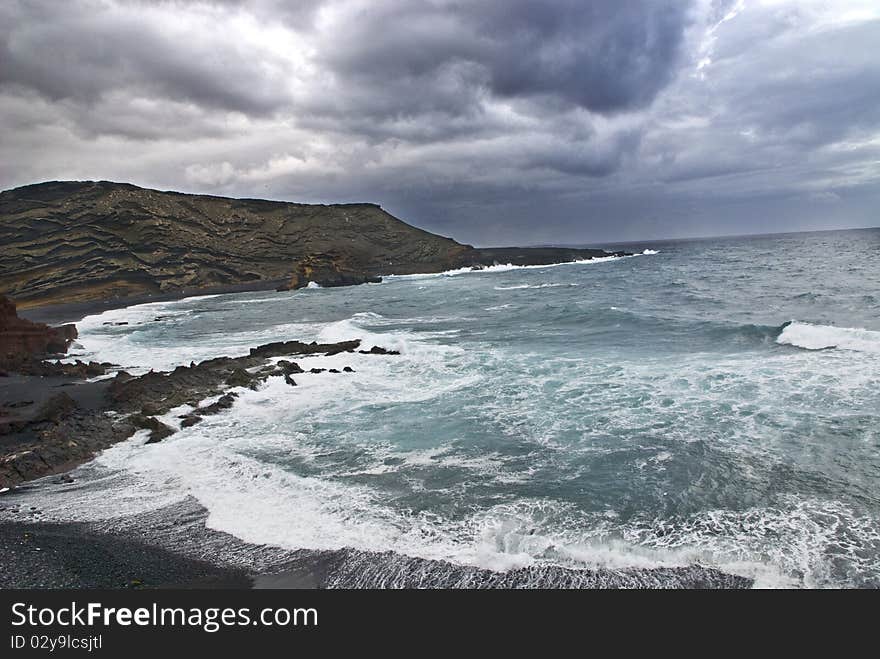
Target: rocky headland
[
  {"x": 73, "y": 242},
  {"x": 83, "y": 246}
]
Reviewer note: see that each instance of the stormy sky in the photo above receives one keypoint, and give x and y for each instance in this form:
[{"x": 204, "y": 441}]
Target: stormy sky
[{"x": 495, "y": 122}]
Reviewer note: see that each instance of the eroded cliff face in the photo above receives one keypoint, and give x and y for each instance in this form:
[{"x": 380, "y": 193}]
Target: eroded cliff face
[
  {"x": 83, "y": 241},
  {"x": 21, "y": 339}
]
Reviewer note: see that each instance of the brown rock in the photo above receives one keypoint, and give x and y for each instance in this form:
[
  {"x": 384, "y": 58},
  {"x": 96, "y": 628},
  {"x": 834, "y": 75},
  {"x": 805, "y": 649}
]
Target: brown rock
[{"x": 21, "y": 339}]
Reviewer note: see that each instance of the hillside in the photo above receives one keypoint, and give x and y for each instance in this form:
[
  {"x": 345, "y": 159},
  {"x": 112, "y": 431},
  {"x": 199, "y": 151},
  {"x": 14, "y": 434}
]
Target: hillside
[{"x": 64, "y": 242}]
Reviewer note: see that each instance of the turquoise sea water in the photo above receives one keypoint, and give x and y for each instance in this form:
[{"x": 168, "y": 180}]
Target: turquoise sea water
[{"x": 716, "y": 402}]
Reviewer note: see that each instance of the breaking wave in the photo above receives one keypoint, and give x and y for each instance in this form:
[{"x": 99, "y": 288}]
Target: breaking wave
[
  {"x": 524, "y": 286},
  {"x": 503, "y": 268},
  {"x": 810, "y": 336},
  {"x": 636, "y": 426}
]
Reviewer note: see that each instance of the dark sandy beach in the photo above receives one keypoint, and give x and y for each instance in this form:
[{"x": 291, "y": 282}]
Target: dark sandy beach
[
  {"x": 173, "y": 548},
  {"x": 41, "y": 555},
  {"x": 73, "y": 312}
]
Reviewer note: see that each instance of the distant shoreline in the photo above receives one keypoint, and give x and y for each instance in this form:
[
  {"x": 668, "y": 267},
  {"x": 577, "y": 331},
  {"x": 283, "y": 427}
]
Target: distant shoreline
[
  {"x": 66, "y": 244},
  {"x": 74, "y": 312}
]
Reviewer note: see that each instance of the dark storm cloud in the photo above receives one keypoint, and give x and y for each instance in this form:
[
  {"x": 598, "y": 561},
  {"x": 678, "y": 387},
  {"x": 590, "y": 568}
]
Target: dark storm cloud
[
  {"x": 606, "y": 118},
  {"x": 392, "y": 70},
  {"x": 604, "y": 56}
]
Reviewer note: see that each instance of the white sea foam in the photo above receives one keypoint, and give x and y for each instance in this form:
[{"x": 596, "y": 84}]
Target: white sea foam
[
  {"x": 405, "y": 342},
  {"x": 261, "y": 501},
  {"x": 133, "y": 315},
  {"x": 798, "y": 543},
  {"x": 244, "y": 465},
  {"x": 503, "y": 268},
  {"x": 279, "y": 296},
  {"x": 138, "y": 349},
  {"x": 650, "y": 252},
  {"x": 147, "y": 336},
  {"x": 523, "y": 286},
  {"x": 313, "y": 284},
  {"x": 821, "y": 337}
]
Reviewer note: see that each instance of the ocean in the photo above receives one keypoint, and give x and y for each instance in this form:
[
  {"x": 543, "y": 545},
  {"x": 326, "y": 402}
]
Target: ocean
[{"x": 706, "y": 402}]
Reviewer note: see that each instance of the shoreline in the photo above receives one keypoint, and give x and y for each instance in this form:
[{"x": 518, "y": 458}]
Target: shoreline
[
  {"x": 53, "y": 431},
  {"x": 73, "y": 312},
  {"x": 24, "y": 396},
  {"x": 56, "y": 313},
  {"x": 172, "y": 547}
]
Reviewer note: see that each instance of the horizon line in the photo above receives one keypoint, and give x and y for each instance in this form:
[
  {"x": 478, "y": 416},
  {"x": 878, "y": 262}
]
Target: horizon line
[{"x": 699, "y": 237}]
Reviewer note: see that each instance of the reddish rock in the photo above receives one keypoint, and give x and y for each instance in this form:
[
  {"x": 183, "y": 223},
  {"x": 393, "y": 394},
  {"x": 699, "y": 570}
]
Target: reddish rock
[
  {"x": 20, "y": 338},
  {"x": 327, "y": 270}
]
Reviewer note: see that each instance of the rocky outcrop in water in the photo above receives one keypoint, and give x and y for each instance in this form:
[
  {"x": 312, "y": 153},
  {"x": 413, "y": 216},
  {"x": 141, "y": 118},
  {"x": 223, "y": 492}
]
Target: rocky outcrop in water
[
  {"x": 44, "y": 368},
  {"x": 70, "y": 242},
  {"x": 40, "y": 439},
  {"x": 58, "y": 436},
  {"x": 326, "y": 271}
]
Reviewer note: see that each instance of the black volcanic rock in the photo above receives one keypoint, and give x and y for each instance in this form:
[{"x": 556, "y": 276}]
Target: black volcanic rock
[
  {"x": 282, "y": 348},
  {"x": 379, "y": 350},
  {"x": 60, "y": 432},
  {"x": 188, "y": 420},
  {"x": 56, "y": 408},
  {"x": 69, "y": 242},
  {"x": 158, "y": 430}
]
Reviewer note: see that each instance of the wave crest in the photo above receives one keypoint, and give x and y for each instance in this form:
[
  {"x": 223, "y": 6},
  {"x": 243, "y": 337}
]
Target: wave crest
[{"x": 811, "y": 336}]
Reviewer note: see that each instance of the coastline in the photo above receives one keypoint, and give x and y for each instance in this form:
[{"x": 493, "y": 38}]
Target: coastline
[
  {"x": 173, "y": 547},
  {"x": 54, "y": 431},
  {"x": 41, "y": 555},
  {"x": 73, "y": 312},
  {"x": 58, "y": 395},
  {"x": 56, "y": 313},
  {"x": 167, "y": 548}
]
